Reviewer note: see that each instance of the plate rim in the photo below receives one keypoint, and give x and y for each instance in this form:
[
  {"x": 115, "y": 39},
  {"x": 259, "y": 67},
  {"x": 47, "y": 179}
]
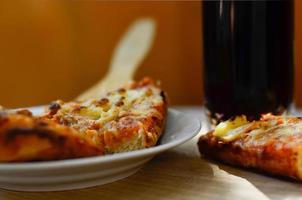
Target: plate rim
[{"x": 41, "y": 165}]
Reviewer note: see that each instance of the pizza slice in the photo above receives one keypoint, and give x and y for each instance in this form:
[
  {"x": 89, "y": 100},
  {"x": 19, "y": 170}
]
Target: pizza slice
[
  {"x": 26, "y": 138},
  {"x": 127, "y": 119},
  {"x": 272, "y": 144}
]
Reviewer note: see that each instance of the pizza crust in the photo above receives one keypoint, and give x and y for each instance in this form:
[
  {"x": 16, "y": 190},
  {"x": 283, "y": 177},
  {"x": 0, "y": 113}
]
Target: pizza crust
[
  {"x": 276, "y": 150},
  {"x": 126, "y": 119},
  {"x": 24, "y": 138}
]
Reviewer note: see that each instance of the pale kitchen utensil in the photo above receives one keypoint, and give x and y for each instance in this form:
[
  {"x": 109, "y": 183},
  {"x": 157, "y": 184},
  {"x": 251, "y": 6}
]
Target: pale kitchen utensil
[{"x": 127, "y": 56}]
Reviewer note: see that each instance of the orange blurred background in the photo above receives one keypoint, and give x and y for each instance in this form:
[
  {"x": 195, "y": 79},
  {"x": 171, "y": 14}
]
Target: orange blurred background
[{"x": 56, "y": 49}]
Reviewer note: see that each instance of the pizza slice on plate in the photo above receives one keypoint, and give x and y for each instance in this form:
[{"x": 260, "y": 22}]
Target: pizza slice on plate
[
  {"x": 26, "y": 138},
  {"x": 272, "y": 144},
  {"x": 127, "y": 119}
]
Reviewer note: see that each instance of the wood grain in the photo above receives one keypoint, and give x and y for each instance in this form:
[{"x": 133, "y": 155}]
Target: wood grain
[{"x": 181, "y": 174}]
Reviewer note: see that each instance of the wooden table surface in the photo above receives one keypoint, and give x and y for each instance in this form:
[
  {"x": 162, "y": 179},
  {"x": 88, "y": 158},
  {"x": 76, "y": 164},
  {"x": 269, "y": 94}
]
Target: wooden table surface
[{"x": 180, "y": 173}]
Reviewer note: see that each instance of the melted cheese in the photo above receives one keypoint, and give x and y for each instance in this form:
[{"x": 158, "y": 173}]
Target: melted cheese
[
  {"x": 138, "y": 102},
  {"x": 231, "y": 129},
  {"x": 234, "y": 133},
  {"x": 92, "y": 112}
]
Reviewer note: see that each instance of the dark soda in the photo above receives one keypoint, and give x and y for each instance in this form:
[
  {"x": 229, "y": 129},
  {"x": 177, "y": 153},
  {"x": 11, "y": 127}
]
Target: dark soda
[{"x": 248, "y": 57}]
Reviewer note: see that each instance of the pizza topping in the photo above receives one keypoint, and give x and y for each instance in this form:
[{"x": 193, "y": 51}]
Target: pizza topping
[
  {"x": 272, "y": 144},
  {"x": 119, "y": 103},
  {"x": 127, "y": 119},
  {"x": 234, "y": 133},
  {"x": 227, "y": 130},
  {"x": 139, "y": 101},
  {"x": 272, "y": 119},
  {"x": 232, "y": 129},
  {"x": 102, "y": 102},
  {"x": 24, "y": 112},
  {"x": 121, "y": 90},
  {"x": 54, "y": 107},
  {"x": 163, "y": 95}
]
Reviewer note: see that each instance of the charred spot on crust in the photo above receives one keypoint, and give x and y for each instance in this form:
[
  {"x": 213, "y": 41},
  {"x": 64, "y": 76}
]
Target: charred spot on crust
[
  {"x": 78, "y": 108},
  {"x": 102, "y": 102},
  {"x": 119, "y": 103},
  {"x": 163, "y": 95},
  {"x": 121, "y": 90},
  {"x": 232, "y": 118},
  {"x": 24, "y": 112},
  {"x": 13, "y": 133},
  {"x": 54, "y": 107}
]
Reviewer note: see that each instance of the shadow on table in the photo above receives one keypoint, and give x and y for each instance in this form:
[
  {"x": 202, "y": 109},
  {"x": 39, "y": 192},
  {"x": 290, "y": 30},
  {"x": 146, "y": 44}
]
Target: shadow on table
[
  {"x": 171, "y": 175},
  {"x": 272, "y": 187}
]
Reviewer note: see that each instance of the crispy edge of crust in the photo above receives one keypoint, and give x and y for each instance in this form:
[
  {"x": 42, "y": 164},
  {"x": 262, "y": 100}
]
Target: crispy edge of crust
[
  {"x": 144, "y": 133},
  {"x": 281, "y": 162},
  {"x": 52, "y": 144},
  {"x": 24, "y": 138},
  {"x": 150, "y": 128},
  {"x": 154, "y": 125}
]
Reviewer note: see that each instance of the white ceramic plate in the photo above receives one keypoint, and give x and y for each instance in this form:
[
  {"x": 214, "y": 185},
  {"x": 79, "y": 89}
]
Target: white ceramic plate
[{"x": 93, "y": 171}]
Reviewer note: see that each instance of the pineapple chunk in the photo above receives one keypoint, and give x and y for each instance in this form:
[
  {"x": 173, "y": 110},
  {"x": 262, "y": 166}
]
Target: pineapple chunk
[{"x": 230, "y": 129}]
